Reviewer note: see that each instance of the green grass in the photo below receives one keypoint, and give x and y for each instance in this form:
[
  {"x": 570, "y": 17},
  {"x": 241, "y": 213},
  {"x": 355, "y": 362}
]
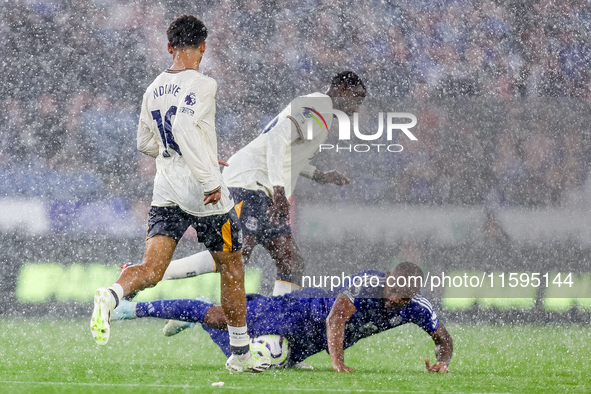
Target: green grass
[{"x": 49, "y": 356}]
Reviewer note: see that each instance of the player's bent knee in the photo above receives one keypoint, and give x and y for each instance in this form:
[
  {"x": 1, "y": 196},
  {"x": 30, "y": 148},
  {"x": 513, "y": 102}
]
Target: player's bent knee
[{"x": 148, "y": 275}]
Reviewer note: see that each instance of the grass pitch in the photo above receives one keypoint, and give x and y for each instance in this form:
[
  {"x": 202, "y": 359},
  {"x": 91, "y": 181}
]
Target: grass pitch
[{"x": 57, "y": 356}]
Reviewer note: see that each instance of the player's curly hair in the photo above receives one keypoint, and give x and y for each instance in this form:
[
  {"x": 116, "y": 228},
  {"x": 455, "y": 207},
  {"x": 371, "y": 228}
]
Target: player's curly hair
[
  {"x": 186, "y": 31},
  {"x": 347, "y": 80}
]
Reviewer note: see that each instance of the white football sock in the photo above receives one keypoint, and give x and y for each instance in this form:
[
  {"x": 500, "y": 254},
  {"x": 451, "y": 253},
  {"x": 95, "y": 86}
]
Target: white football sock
[
  {"x": 281, "y": 287},
  {"x": 196, "y": 264},
  {"x": 117, "y": 289},
  {"x": 238, "y": 336}
]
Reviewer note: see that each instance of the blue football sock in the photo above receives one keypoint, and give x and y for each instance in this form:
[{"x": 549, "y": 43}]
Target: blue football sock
[{"x": 185, "y": 310}]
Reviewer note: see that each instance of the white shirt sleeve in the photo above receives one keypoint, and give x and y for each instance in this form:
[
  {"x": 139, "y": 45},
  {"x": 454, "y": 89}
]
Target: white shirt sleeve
[
  {"x": 194, "y": 133},
  {"x": 308, "y": 171},
  {"x": 278, "y": 139},
  {"x": 146, "y": 140}
]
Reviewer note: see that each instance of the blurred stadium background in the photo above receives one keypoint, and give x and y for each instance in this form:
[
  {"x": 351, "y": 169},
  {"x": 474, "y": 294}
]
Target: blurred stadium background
[{"x": 490, "y": 189}]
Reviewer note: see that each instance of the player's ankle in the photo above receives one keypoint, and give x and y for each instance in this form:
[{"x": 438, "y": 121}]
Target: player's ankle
[
  {"x": 239, "y": 340},
  {"x": 244, "y": 357},
  {"x": 117, "y": 292}
]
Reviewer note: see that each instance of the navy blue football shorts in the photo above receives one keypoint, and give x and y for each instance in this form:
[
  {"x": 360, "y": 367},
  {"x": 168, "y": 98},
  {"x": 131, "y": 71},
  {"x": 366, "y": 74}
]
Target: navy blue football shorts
[
  {"x": 219, "y": 233},
  {"x": 252, "y": 207}
]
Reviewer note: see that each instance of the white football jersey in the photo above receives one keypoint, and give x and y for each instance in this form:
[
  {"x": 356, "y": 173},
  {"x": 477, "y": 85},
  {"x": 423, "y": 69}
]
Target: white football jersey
[
  {"x": 177, "y": 127},
  {"x": 283, "y": 150}
]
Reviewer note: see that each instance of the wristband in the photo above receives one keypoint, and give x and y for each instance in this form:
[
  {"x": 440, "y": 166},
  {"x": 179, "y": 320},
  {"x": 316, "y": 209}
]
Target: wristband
[{"x": 217, "y": 189}]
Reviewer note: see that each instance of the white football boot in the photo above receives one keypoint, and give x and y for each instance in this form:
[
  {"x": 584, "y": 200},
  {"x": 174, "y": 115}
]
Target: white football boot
[
  {"x": 173, "y": 327},
  {"x": 100, "y": 324},
  {"x": 255, "y": 363}
]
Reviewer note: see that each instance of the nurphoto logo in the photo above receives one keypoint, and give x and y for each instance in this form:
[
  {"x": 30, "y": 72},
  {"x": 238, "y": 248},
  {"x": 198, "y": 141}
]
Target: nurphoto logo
[{"x": 392, "y": 123}]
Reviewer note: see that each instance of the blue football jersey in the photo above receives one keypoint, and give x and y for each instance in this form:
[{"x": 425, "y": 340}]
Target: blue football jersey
[{"x": 301, "y": 315}]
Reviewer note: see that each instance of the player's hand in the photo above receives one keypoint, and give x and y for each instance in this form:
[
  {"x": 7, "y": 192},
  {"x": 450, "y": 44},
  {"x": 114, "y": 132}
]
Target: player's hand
[
  {"x": 223, "y": 163},
  {"x": 212, "y": 198},
  {"x": 333, "y": 177},
  {"x": 337, "y": 178},
  {"x": 280, "y": 207},
  {"x": 342, "y": 368},
  {"x": 440, "y": 367}
]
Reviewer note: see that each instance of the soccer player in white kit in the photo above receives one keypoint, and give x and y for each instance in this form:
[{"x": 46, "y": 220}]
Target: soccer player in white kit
[
  {"x": 177, "y": 128},
  {"x": 262, "y": 176}
]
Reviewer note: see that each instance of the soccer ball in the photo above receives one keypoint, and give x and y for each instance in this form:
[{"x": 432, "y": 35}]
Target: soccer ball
[{"x": 273, "y": 346}]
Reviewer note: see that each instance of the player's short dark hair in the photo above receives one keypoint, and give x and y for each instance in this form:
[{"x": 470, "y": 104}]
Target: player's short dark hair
[
  {"x": 409, "y": 269},
  {"x": 347, "y": 80},
  {"x": 186, "y": 31}
]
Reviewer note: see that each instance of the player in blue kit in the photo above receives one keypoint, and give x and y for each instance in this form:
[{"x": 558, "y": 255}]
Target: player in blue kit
[{"x": 313, "y": 320}]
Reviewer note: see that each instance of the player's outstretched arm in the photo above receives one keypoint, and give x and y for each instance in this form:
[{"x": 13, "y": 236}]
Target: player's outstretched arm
[
  {"x": 333, "y": 177},
  {"x": 340, "y": 313},
  {"x": 443, "y": 350}
]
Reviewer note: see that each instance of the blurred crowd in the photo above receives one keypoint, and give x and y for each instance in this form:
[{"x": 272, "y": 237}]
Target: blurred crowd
[
  {"x": 495, "y": 151},
  {"x": 74, "y": 72}
]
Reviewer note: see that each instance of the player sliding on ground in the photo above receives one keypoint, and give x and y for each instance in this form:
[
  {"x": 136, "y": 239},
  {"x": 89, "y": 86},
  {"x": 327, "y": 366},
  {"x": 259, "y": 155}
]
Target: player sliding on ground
[
  {"x": 177, "y": 128},
  {"x": 313, "y": 320},
  {"x": 262, "y": 176}
]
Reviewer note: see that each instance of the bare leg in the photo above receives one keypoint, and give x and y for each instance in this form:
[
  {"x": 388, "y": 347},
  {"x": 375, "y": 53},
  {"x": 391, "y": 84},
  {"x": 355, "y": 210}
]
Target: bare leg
[
  {"x": 248, "y": 244},
  {"x": 233, "y": 296},
  {"x": 157, "y": 256},
  {"x": 288, "y": 259},
  {"x": 193, "y": 264}
]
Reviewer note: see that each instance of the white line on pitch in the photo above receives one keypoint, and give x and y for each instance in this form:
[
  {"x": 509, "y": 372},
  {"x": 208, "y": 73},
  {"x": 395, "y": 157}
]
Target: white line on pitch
[{"x": 173, "y": 386}]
